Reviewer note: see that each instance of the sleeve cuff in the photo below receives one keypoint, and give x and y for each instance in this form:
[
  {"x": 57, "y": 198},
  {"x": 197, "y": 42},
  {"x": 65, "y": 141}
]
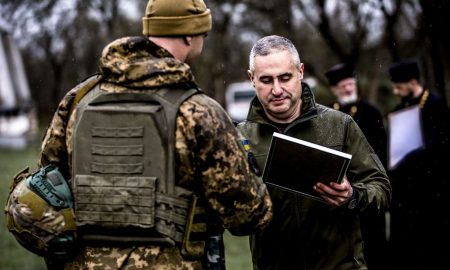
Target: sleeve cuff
[{"x": 354, "y": 199}]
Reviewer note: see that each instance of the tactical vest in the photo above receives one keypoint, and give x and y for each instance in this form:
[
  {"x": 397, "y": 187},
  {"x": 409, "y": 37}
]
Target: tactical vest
[{"x": 123, "y": 168}]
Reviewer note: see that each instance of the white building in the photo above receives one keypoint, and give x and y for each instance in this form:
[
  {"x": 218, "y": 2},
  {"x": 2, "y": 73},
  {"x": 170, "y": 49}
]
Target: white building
[
  {"x": 18, "y": 121},
  {"x": 238, "y": 96}
]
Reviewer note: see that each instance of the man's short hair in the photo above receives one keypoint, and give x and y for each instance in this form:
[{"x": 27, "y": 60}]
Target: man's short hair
[{"x": 268, "y": 44}]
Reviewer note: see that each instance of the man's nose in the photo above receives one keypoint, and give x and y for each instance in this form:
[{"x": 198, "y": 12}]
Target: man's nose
[{"x": 277, "y": 88}]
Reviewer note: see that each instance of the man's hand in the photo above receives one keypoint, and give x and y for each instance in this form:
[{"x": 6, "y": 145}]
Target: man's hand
[{"x": 335, "y": 194}]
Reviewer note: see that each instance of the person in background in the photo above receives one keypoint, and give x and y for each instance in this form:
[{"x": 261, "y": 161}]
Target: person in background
[
  {"x": 209, "y": 188},
  {"x": 344, "y": 86},
  {"x": 306, "y": 233},
  {"x": 420, "y": 218}
]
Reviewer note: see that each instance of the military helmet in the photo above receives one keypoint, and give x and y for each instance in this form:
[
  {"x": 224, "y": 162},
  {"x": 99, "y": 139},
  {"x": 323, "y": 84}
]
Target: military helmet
[{"x": 39, "y": 213}]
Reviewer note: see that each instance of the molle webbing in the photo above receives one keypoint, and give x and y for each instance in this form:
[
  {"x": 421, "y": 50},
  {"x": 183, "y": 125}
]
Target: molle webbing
[{"x": 124, "y": 167}]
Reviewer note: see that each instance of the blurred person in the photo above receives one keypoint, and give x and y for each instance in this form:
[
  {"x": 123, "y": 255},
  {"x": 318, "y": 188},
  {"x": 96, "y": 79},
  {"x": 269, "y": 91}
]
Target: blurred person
[
  {"x": 420, "y": 218},
  {"x": 344, "y": 86},
  {"x": 146, "y": 190},
  {"x": 306, "y": 233}
]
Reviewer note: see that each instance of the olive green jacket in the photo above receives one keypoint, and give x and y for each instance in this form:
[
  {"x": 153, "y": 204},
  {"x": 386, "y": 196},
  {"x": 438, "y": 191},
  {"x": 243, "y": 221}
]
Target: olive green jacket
[{"x": 309, "y": 234}]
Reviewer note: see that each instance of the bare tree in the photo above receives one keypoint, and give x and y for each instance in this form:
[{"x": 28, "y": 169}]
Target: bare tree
[
  {"x": 68, "y": 43},
  {"x": 369, "y": 33},
  {"x": 434, "y": 31}
]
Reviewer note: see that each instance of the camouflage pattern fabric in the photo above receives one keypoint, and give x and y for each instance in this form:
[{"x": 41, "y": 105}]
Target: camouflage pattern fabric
[
  {"x": 49, "y": 223},
  {"x": 34, "y": 222},
  {"x": 210, "y": 157},
  {"x": 151, "y": 258}
]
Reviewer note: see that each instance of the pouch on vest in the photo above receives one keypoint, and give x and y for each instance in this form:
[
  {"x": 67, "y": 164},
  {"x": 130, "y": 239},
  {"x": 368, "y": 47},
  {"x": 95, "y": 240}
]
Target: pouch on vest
[{"x": 124, "y": 168}]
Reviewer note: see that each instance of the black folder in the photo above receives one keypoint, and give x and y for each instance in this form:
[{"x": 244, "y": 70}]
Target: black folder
[{"x": 296, "y": 165}]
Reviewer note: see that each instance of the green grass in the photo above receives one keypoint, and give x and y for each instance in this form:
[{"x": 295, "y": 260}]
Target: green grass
[
  {"x": 13, "y": 256},
  {"x": 237, "y": 252}
]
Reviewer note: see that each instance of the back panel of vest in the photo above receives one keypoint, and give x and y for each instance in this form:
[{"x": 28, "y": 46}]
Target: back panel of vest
[{"x": 123, "y": 172}]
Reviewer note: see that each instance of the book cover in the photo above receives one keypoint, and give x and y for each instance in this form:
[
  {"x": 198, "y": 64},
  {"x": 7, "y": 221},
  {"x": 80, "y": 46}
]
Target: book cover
[{"x": 296, "y": 165}]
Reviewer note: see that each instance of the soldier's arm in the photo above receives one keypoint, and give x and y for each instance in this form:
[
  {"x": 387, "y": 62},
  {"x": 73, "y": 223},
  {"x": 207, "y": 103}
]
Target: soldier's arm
[
  {"x": 54, "y": 149},
  {"x": 56, "y": 141},
  {"x": 210, "y": 152}
]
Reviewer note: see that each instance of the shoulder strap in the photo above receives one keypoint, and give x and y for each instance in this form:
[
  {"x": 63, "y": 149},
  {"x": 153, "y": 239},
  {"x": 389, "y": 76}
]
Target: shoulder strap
[
  {"x": 83, "y": 88},
  {"x": 173, "y": 100}
]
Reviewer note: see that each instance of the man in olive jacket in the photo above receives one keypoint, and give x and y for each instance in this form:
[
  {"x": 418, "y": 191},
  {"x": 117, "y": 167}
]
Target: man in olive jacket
[{"x": 306, "y": 233}]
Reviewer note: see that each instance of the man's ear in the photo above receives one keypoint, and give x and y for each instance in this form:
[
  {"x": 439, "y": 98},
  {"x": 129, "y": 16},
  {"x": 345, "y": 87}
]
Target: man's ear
[
  {"x": 187, "y": 40},
  {"x": 334, "y": 90},
  {"x": 250, "y": 76},
  {"x": 301, "y": 70}
]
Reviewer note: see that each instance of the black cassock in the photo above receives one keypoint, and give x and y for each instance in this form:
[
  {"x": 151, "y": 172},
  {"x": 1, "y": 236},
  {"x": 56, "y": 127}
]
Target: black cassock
[{"x": 420, "y": 207}]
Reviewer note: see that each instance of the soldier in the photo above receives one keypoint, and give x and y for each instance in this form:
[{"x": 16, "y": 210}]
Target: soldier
[
  {"x": 305, "y": 233},
  {"x": 343, "y": 84},
  {"x": 154, "y": 165}
]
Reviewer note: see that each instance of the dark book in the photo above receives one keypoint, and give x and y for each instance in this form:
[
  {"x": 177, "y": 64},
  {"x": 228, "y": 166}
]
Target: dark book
[{"x": 296, "y": 165}]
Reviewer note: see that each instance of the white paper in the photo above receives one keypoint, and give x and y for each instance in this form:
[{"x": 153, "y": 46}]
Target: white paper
[{"x": 405, "y": 134}]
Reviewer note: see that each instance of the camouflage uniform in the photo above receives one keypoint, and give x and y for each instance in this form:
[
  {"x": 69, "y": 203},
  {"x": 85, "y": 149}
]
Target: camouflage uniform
[{"x": 209, "y": 156}]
